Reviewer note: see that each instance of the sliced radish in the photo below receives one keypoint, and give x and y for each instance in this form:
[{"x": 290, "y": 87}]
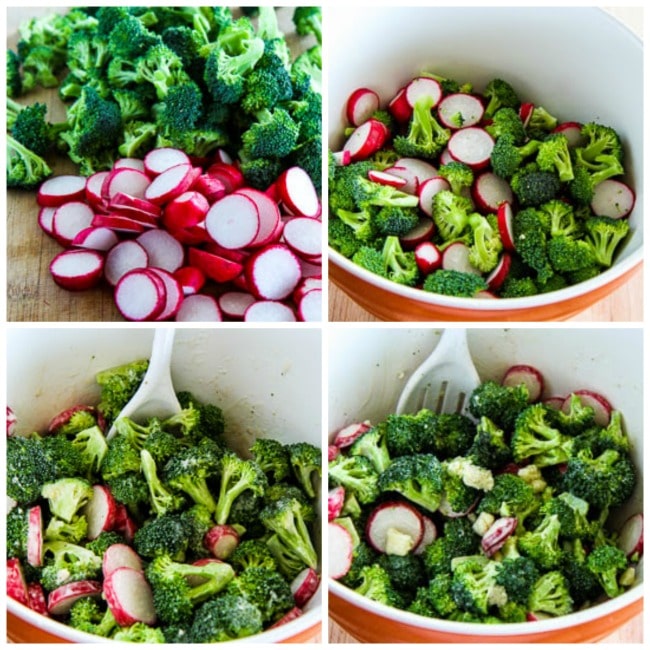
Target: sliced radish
[
  {"x": 304, "y": 236},
  {"x": 222, "y": 156},
  {"x": 61, "y": 189},
  {"x": 273, "y": 272},
  {"x": 504, "y": 223},
  {"x": 460, "y": 110},
  {"x": 304, "y": 586},
  {"x": 572, "y": 131},
  {"x": 361, "y": 106},
  {"x": 129, "y": 597},
  {"x": 130, "y": 163},
  {"x": 45, "y": 218},
  {"x": 335, "y": 501},
  {"x": 291, "y": 615},
  {"x": 428, "y": 189},
  {"x": 342, "y": 158},
  {"x": 268, "y": 213},
  {"x": 162, "y": 249},
  {"x": 340, "y": 548},
  {"x": 297, "y": 191},
  {"x": 489, "y": 191},
  {"x": 366, "y": 139},
  {"x": 159, "y": 160},
  {"x": 554, "y": 402},
  {"x": 630, "y": 538},
  {"x": 455, "y": 257},
  {"x": 170, "y": 184},
  {"x": 62, "y": 418},
  {"x": 35, "y": 536},
  {"x": 386, "y": 178},
  {"x": 199, "y": 308},
  {"x": 486, "y": 295},
  {"x": 428, "y": 537},
  {"x": 421, "y": 87},
  {"x": 211, "y": 187},
  {"x": 100, "y": 511},
  {"x": 93, "y": 192},
  {"x": 185, "y": 210},
  {"x": 415, "y": 171},
  {"x": 612, "y": 198},
  {"x": 269, "y": 311},
  {"x": 497, "y": 276},
  {"x": 527, "y": 375},
  {"x": 332, "y": 452},
  {"x": 216, "y": 267},
  {"x": 399, "y": 107},
  {"x": 235, "y": 303},
  {"x": 191, "y": 279},
  {"x": 117, "y": 556},
  {"x": 310, "y": 269},
  {"x": 394, "y": 527},
  {"x": 233, "y": 222},
  {"x": 125, "y": 180},
  {"x": 310, "y": 307},
  {"x": 428, "y": 257},
  {"x": 96, "y": 239},
  {"x": 602, "y": 408},
  {"x": 16, "y": 585},
  {"x": 525, "y": 111},
  {"x": 471, "y": 146},
  {"x": 125, "y": 256},
  {"x": 11, "y": 421},
  {"x": 497, "y": 534},
  {"x": 118, "y": 223},
  {"x": 423, "y": 231},
  {"x": 77, "y": 269},
  {"x": 140, "y": 295},
  {"x": 173, "y": 294},
  {"x": 348, "y": 434},
  {"x": 70, "y": 219},
  {"x": 61, "y": 599},
  {"x": 37, "y": 599},
  {"x": 305, "y": 285},
  {"x": 221, "y": 540},
  {"x": 445, "y": 156},
  {"x": 228, "y": 174},
  {"x": 128, "y": 204}
]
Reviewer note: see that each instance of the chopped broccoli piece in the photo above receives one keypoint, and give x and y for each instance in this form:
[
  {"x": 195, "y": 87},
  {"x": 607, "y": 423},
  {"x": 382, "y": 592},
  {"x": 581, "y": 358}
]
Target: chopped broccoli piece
[{"x": 454, "y": 283}]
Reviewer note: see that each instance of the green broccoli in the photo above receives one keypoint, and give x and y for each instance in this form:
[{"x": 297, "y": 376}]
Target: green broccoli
[
  {"x": 507, "y": 157},
  {"x": 540, "y": 123},
  {"x": 434, "y": 599},
  {"x": 517, "y": 575},
  {"x": 166, "y": 534},
  {"x": 506, "y": 121},
  {"x": 88, "y": 615},
  {"x": 103, "y": 541},
  {"x": 605, "y": 235},
  {"x": 375, "y": 584},
  {"x": 308, "y": 21},
  {"x": 425, "y": 137},
  {"x": 542, "y": 544},
  {"x": 454, "y": 283},
  {"x": 73, "y": 531},
  {"x": 25, "y": 169},
  {"x": 450, "y": 213},
  {"x": 395, "y": 221},
  {"x": 550, "y": 595},
  {"x": 224, "y": 618},
  {"x": 531, "y": 240},
  {"x": 499, "y": 94},
  {"x": 237, "y": 476},
  {"x": 64, "y": 562},
  {"x": 584, "y": 586},
  {"x": 573, "y": 515},
  {"x": 459, "y": 176},
  {"x": 510, "y": 496},
  {"x": 561, "y": 216},
  {"x": 361, "y": 222},
  {"x": 489, "y": 447},
  {"x": 501, "y": 404},
  {"x": 400, "y": 265},
  {"x": 251, "y": 553},
  {"x": 600, "y": 140},
  {"x": 67, "y": 496},
  {"x": 533, "y": 187},
  {"x": 554, "y": 156},
  {"x": 373, "y": 445},
  {"x": 121, "y": 457},
  {"x": 368, "y": 193},
  {"x": 305, "y": 463},
  {"x": 139, "y": 633},
  {"x": 16, "y": 532},
  {"x": 273, "y": 457},
  {"x": 606, "y": 562},
  {"x": 357, "y": 474},
  {"x": 567, "y": 254},
  {"x": 14, "y": 75},
  {"x": 486, "y": 245},
  {"x": 473, "y": 585},
  {"x": 518, "y": 287},
  {"x": 162, "y": 499},
  {"x": 535, "y": 435},
  {"x": 272, "y": 133},
  {"x": 118, "y": 385}
]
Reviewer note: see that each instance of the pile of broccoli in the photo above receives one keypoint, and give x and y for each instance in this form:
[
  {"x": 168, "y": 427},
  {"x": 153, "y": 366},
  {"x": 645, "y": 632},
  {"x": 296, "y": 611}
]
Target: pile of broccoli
[
  {"x": 558, "y": 240},
  {"x": 193, "y": 78},
  {"x": 172, "y": 480},
  {"x": 553, "y": 476}
]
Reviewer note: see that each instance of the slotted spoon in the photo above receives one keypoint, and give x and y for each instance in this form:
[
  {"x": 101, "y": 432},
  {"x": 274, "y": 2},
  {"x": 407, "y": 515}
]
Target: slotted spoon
[
  {"x": 444, "y": 382},
  {"x": 155, "y": 396}
]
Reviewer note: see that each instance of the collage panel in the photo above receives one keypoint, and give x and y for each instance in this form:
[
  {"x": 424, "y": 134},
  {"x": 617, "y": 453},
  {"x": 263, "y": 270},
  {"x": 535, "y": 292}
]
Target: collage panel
[
  {"x": 485, "y": 515},
  {"x": 192, "y": 518}
]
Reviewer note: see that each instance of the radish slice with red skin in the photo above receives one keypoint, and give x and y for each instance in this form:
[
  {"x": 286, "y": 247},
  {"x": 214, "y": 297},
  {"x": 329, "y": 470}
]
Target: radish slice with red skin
[
  {"x": 612, "y": 198},
  {"x": 97, "y": 239},
  {"x": 486, "y": 295},
  {"x": 428, "y": 257},
  {"x": 394, "y": 527},
  {"x": 159, "y": 160},
  {"x": 366, "y": 139},
  {"x": 309, "y": 269},
  {"x": 335, "y": 501},
  {"x": 554, "y": 402},
  {"x": 348, "y": 434},
  {"x": 11, "y": 421},
  {"x": 94, "y": 184},
  {"x": 61, "y": 189},
  {"x": 460, "y": 110},
  {"x": 525, "y": 111},
  {"x": 630, "y": 538},
  {"x": 122, "y": 201},
  {"x": 471, "y": 146},
  {"x": 489, "y": 191},
  {"x": 414, "y": 168},
  {"x": 297, "y": 191},
  {"x": 342, "y": 158},
  {"x": 429, "y": 536},
  {"x": 332, "y": 452},
  {"x": 310, "y": 307},
  {"x": 572, "y": 131},
  {"x": 117, "y": 556},
  {"x": 424, "y": 231},
  {"x": 129, "y": 597},
  {"x": 163, "y": 250},
  {"x": 269, "y": 311},
  {"x": 386, "y": 178},
  {"x": 304, "y": 586},
  {"x": 340, "y": 548},
  {"x": 199, "y": 308},
  {"x": 118, "y": 223},
  {"x": 456, "y": 258},
  {"x": 291, "y": 615},
  {"x": 221, "y": 540},
  {"x": 601, "y": 405},
  {"x": 61, "y": 599},
  {"x": 234, "y": 304},
  {"x": 399, "y": 107},
  {"x": 16, "y": 584},
  {"x": 191, "y": 279},
  {"x": 77, "y": 269},
  {"x": 211, "y": 187},
  {"x": 140, "y": 295},
  {"x": 37, "y": 599},
  {"x": 45, "y": 217},
  {"x": 410, "y": 180},
  {"x": 445, "y": 157},
  {"x": 229, "y": 174},
  {"x": 100, "y": 511},
  {"x": 222, "y": 156},
  {"x": 305, "y": 285},
  {"x": 497, "y": 276},
  {"x": 233, "y": 222},
  {"x": 129, "y": 163},
  {"x": 69, "y": 220},
  {"x": 361, "y": 105},
  {"x": 170, "y": 184},
  {"x": 64, "y": 416},
  {"x": 216, "y": 267},
  {"x": 268, "y": 213},
  {"x": 173, "y": 294},
  {"x": 504, "y": 223},
  {"x": 35, "y": 536},
  {"x": 428, "y": 189},
  {"x": 234, "y": 255},
  {"x": 185, "y": 210},
  {"x": 527, "y": 375},
  {"x": 125, "y": 180},
  {"x": 421, "y": 87},
  {"x": 303, "y": 235},
  {"x": 125, "y": 256},
  {"x": 497, "y": 534},
  {"x": 273, "y": 272}
]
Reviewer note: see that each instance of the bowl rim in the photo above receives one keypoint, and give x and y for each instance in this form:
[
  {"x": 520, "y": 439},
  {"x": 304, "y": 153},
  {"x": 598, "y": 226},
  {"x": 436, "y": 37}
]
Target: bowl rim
[{"x": 581, "y": 617}]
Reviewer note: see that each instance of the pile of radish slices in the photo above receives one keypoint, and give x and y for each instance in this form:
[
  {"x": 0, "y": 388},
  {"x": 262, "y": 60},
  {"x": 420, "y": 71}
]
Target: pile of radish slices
[{"x": 178, "y": 241}]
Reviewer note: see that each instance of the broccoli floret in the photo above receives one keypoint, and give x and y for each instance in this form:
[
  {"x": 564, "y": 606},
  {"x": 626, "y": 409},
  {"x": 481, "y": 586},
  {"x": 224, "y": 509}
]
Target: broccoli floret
[
  {"x": 373, "y": 446},
  {"x": 511, "y": 496},
  {"x": 540, "y": 123},
  {"x": 600, "y": 140},
  {"x": 551, "y": 595},
  {"x": 375, "y": 584},
  {"x": 400, "y": 265},
  {"x": 308, "y": 156},
  {"x": 605, "y": 234},
  {"x": 117, "y": 387},
  {"x": 567, "y": 254},
  {"x": 371, "y": 260},
  {"x": 501, "y": 404},
  {"x": 518, "y": 287},
  {"x": 186, "y": 423},
  {"x": 342, "y": 184},
  {"x": 17, "y": 529},
  {"x": 573, "y": 514},
  {"x": 186, "y": 42},
  {"x": 507, "y": 157},
  {"x": 163, "y": 69},
  {"x": 454, "y": 283},
  {"x": 273, "y": 457},
  {"x": 261, "y": 173},
  {"x": 581, "y": 188},
  {"x": 531, "y": 240},
  {"x": 451, "y": 214},
  {"x": 211, "y": 419},
  {"x": 88, "y": 615},
  {"x": 506, "y": 121},
  {"x": 131, "y": 489},
  {"x": 162, "y": 499},
  {"x": 434, "y": 599},
  {"x": 266, "y": 85},
  {"x": 92, "y": 447},
  {"x": 121, "y": 457},
  {"x": 561, "y": 217},
  {"x": 473, "y": 585},
  {"x": 406, "y": 572},
  {"x": 361, "y": 222},
  {"x": 486, "y": 242},
  {"x": 368, "y": 193},
  {"x": 489, "y": 447},
  {"x": 251, "y": 553},
  {"x": 499, "y": 94},
  {"x": 425, "y": 137},
  {"x": 306, "y": 72},
  {"x": 457, "y": 497},
  {"x": 64, "y": 562},
  {"x": 139, "y": 633},
  {"x": 406, "y": 433},
  {"x": 237, "y": 476},
  {"x": 31, "y": 129},
  {"x": 533, "y": 187},
  {"x": 163, "y": 535},
  {"x": 517, "y": 576},
  {"x": 458, "y": 540},
  {"x": 101, "y": 543},
  {"x": 554, "y": 156},
  {"x": 606, "y": 562},
  {"x": 308, "y": 21},
  {"x": 542, "y": 544},
  {"x": 459, "y": 176},
  {"x": 272, "y": 133},
  {"x": 178, "y": 587},
  {"x": 305, "y": 463},
  {"x": 613, "y": 436},
  {"x": 73, "y": 531},
  {"x": 181, "y": 110},
  {"x": 265, "y": 588},
  {"x": 418, "y": 478},
  {"x": 583, "y": 584},
  {"x": 162, "y": 445},
  {"x": 14, "y": 75},
  {"x": 356, "y": 474},
  {"x": 395, "y": 221},
  {"x": 225, "y": 618},
  {"x": 67, "y": 496},
  {"x": 25, "y": 169},
  {"x": 63, "y": 456},
  {"x": 535, "y": 435},
  {"x": 129, "y": 38},
  {"x": 40, "y": 66},
  {"x": 446, "y": 434}
]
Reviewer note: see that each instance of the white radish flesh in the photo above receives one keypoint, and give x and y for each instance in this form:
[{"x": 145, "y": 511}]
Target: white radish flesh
[
  {"x": 170, "y": 184},
  {"x": 428, "y": 257},
  {"x": 612, "y": 198},
  {"x": 94, "y": 184},
  {"x": 348, "y": 434},
  {"x": 304, "y": 586},
  {"x": 125, "y": 180},
  {"x": 173, "y": 294},
  {"x": 497, "y": 276},
  {"x": 429, "y": 536},
  {"x": 298, "y": 193},
  {"x": 70, "y": 219},
  {"x": 366, "y": 139},
  {"x": 216, "y": 267},
  {"x": 504, "y": 223},
  {"x": 58, "y": 190},
  {"x": 527, "y": 375},
  {"x": 129, "y": 597},
  {"x": 428, "y": 189},
  {"x": 460, "y": 110},
  {"x": 361, "y": 105},
  {"x": 418, "y": 169},
  {"x": 221, "y": 540},
  {"x": 97, "y": 239},
  {"x": 335, "y": 501},
  {"x": 45, "y": 218},
  {"x": 273, "y": 272},
  {"x": 233, "y": 222},
  {"x": 489, "y": 191},
  {"x": 386, "y": 178},
  {"x": 199, "y": 308},
  {"x": 140, "y": 295},
  {"x": 304, "y": 236},
  {"x": 191, "y": 279},
  {"x": 423, "y": 231},
  {"x": 601, "y": 405},
  {"x": 130, "y": 163},
  {"x": 395, "y": 527},
  {"x": 185, "y": 210},
  {"x": 118, "y": 556},
  {"x": 310, "y": 307},
  {"x": 630, "y": 538},
  {"x": 125, "y": 256},
  {"x": 456, "y": 258},
  {"x": 77, "y": 269},
  {"x": 269, "y": 311},
  {"x": 61, "y": 599},
  {"x": 423, "y": 87},
  {"x": 35, "y": 536},
  {"x": 471, "y": 146},
  {"x": 572, "y": 131},
  {"x": 100, "y": 511},
  {"x": 267, "y": 212},
  {"x": 235, "y": 303},
  {"x": 118, "y": 223},
  {"x": 339, "y": 550},
  {"x": 163, "y": 250},
  {"x": 159, "y": 160}
]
